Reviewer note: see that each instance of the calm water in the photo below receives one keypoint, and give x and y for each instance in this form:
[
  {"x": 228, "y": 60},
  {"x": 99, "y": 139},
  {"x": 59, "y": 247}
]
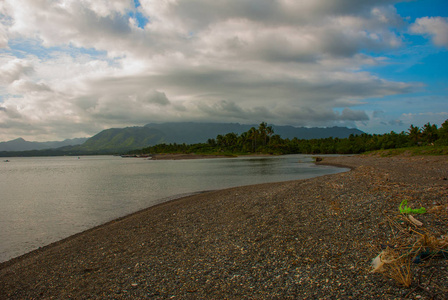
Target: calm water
[{"x": 43, "y": 200}]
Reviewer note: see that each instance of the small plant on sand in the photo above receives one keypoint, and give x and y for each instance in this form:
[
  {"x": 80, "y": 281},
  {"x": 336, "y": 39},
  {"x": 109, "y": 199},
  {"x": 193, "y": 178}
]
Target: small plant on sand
[{"x": 404, "y": 209}]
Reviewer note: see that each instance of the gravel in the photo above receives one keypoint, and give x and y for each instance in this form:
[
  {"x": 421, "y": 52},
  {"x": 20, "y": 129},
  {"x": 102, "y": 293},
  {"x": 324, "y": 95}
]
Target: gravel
[{"x": 306, "y": 239}]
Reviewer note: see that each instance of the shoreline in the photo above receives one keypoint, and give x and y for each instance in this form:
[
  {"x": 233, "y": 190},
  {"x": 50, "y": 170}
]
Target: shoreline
[
  {"x": 174, "y": 198},
  {"x": 266, "y": 240},
  {"x": 182, "y": 156}
]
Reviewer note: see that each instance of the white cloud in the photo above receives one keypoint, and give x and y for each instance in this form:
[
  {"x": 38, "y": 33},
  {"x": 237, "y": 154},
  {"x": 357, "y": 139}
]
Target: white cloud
[
  {"x": 3, "y": 37},
  {"x": 436, "y": 27},
  {"x": 22, "y": 86},
  {"x": 281, "y": 61},
  {"x": 12, "y": 69},
  {"x": 420, "y": 119},
  {"x": 105, "y": 8}
]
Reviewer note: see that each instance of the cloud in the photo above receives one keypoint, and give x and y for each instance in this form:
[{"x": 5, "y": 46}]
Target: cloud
[
  {"x": 89, "y": 24},
  {"x": 13, "y": 69},
  {"x": 395, "y": 122},
  {"x": 153, "y": 97},
  {"x": 77, "y": 67},
  {"x": 304, "y": 28},
  {"x": 201, "y": 13},
  {"x": 300, "y": 116},
  {"x": 10, "y": 113},
  {"x": 436, "y": 27},
  {"x": 24, "y": 86},
  {"x": 420, "y": 119},
  {"x": 3, "y": 37},
  {"x": 353, "y": 115}
]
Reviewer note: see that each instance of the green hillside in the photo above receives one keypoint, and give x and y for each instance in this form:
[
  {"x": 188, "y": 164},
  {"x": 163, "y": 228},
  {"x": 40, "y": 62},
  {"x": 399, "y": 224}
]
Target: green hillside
[{"x": 122, "y": 139}]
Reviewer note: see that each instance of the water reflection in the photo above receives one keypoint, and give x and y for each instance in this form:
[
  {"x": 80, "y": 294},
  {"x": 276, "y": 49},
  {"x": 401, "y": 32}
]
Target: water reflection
[{"x": 48, "y": 198}]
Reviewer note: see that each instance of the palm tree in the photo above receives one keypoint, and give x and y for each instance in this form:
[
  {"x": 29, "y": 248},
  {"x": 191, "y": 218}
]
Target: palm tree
[
  {"x": 253, "y": 135},
  {"x": 211, "y": 142},
  {"x": 429, "y": 133},
  {"x": 443, "y": 133},
  {"x": 220, "y": 140},
  {"x": 231, "y": 139},
  {"x": 269, "y": 131},
  {"x": 262, "y": 131},
  {"x": 414, "y": 134},
  {"x": 242, "y": 139}
]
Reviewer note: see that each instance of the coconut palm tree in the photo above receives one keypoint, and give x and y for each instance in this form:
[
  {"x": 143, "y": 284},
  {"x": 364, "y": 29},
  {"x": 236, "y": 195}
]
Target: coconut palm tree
[
  {"x": 415, "y": 134},
  {"x": 429, "y": 133},
  {"x": 269, "y": 132},
  {"x": 253, "y": 135}
]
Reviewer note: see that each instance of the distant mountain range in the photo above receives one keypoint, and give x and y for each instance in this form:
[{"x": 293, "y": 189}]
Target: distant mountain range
[
  {"x": 191, "y": 133},
  {"x": 22, "y": 145},
  {"x": 117, "y": 140}
]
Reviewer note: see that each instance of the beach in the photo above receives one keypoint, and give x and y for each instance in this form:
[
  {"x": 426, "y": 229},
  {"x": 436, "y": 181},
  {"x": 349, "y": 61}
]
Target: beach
[{"x": 305, "y": 239}]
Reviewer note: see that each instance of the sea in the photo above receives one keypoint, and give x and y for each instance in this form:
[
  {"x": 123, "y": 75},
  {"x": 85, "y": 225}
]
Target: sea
[{"x": 46, "y": 199}]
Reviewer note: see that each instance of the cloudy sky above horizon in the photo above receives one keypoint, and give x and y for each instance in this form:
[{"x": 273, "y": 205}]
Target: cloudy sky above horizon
[{"x": 71, "y": 68}]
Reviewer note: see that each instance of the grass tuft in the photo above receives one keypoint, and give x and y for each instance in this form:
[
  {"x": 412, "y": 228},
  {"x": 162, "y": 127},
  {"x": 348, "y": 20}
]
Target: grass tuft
[{"x": 410, "y": 245}]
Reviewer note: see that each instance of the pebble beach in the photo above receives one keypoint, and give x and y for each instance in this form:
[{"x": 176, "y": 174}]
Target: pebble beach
[{"x": 305, "y": 239}]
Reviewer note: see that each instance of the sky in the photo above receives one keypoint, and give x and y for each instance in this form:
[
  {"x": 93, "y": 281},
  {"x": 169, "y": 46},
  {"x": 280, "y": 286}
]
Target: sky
[{"x": 71, "y": 68}]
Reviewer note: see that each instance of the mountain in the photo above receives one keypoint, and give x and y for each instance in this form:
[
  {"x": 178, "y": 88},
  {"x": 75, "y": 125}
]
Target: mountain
[
  {"x": 117, "y": 140},
  {"x": 121, "y": 139},
  {"x": 21, "y": 145},
  {"x": 191, "y": 133}
]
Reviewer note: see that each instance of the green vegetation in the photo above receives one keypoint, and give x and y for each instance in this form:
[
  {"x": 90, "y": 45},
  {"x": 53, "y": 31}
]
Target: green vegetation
[
  {"x": 426, "y": 140},
  {"x": 121, "y": 139},
  {"x": 404, "y": 209},
  {"x": 413, "y": 151}
]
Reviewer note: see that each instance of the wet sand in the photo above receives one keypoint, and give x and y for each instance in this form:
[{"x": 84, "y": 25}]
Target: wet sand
[{"x": 305, "y": 239}]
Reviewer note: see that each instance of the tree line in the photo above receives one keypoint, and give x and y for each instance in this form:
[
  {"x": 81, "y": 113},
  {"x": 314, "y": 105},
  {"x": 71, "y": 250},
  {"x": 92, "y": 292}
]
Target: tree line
[{"x": 263, "y": 140}]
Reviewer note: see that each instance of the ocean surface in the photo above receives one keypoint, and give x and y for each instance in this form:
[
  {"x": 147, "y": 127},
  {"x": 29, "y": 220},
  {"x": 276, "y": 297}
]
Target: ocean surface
[{"x": 46, "y": 199}]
